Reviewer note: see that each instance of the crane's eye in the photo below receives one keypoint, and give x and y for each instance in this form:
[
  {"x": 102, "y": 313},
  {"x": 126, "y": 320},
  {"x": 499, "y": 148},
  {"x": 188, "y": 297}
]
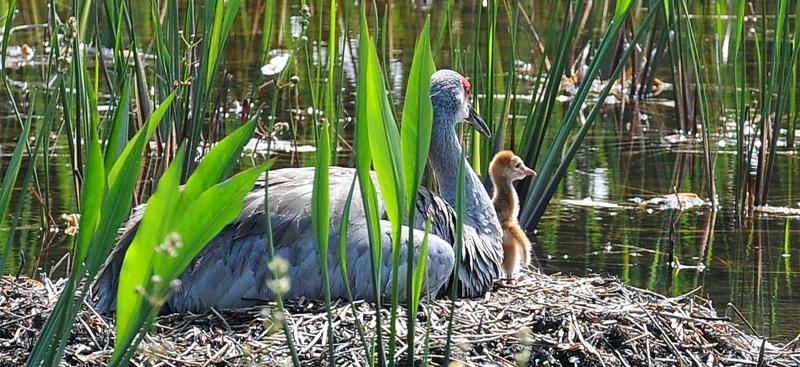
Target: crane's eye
[{"x": 518, "y": 165}]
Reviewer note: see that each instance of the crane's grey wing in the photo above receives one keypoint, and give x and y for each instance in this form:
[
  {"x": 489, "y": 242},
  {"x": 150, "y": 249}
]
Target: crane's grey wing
[
  {"x": 244, "y": 272},
  {"x": 480, "y": 258},
  {"x": 231, "y": 271}
]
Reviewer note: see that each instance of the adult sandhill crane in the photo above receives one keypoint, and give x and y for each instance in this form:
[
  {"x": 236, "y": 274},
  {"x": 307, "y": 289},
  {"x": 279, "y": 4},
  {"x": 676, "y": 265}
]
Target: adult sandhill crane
[{"x": 231, "y": 271}]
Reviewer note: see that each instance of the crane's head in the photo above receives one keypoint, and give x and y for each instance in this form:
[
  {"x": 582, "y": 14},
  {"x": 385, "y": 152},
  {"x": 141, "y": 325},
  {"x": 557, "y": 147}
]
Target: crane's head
[{"x": 450, "y": 96}]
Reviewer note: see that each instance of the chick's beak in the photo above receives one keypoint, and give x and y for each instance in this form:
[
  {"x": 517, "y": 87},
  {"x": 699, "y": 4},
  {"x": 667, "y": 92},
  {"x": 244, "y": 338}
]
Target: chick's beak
[
  {"x": 529, "y": 172},
  {"x": 475, "y": 120}
]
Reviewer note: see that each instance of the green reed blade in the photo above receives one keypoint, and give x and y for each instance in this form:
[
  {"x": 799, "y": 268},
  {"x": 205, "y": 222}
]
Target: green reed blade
[
  {"x": 419, "y": 273},
  {"x": 121, "y": 181},
  {"x": 783, "y": 60},
  {"x": 544, "y": 111},
  {"x": 454, "y": 287},
  {"x": 9, "y": 179},
  {"x": 415, "y": 139},
  {"x": 491, "y": 71},
  {"x": 536, "y": 199},
  {"x": 499, "y": 133},
  {"x": 344, "y": 226},
  {"x": 320, "y": 196},
  {"x": 366, "y": 109},
  {"x": 561, "y": 170},
  {"x": 704, "y": 117},
  {"x": 267, "y": 28},
  {"x": 792, "y": 117},
  {"x": 477, "y": 88},
  {"x": 218, "y": 20},
  {"x": 443, "y": 26},
  {"x": 118, "y": 136},
  {"x": 385, "y": 149}
]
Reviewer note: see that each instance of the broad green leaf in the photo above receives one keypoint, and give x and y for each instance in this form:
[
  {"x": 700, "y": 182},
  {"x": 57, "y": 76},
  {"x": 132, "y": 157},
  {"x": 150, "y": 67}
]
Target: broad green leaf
[
  {"x": 415, "y": 139},
  {"x": 384, "y": 137},
  {"x": 121, "y": 181},
  {"x": 206, "y": 216},
  {"x": 94, "y": 185},
  {"x": 137, "y": 265},
  {"x": 417, "y": 117},
  {"x": 369, "y": 195},
  {"x": 385, "y": 148},
  {"x": 93, "y": 193},
  {"x": 216, "y": 162},
  {"x": 364, "y": 157},
  {"x": 320, "y": 206},
  {"x": 133, "y": 151}
]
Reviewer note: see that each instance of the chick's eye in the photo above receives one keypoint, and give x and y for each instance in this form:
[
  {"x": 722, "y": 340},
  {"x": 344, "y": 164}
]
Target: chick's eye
[{"x": 518, "y": 165}]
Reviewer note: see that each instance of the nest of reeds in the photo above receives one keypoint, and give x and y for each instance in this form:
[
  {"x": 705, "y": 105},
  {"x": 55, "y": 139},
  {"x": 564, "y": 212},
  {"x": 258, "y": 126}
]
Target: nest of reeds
[{"x": 544, "y": 320}]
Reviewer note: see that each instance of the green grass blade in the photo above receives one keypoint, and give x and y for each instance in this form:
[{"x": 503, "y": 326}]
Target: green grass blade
[{"x": 12, "y": 170}]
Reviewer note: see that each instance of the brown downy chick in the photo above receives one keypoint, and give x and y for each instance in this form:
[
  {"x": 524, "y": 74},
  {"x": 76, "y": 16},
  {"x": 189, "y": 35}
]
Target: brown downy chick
[{"x": 504, "y": 169}]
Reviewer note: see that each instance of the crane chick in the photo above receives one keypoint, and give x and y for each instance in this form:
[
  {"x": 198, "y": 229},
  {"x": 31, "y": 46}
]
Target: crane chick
[{"x": 504, "y": 169}]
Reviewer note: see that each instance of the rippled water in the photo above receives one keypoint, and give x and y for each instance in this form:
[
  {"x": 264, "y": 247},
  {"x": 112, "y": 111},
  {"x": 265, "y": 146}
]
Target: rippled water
[{"x": 751, "y": 263}]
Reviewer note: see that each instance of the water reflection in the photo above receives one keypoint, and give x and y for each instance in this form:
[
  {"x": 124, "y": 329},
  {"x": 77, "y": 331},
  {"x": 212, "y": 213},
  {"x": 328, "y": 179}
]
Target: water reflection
[{"x": 743, "y": 261}]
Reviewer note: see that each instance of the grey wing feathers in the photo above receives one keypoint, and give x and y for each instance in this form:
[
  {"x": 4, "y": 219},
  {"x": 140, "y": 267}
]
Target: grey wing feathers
[
  {"x": 231, "y": 271},
  {"x": 480, "y": 260}
]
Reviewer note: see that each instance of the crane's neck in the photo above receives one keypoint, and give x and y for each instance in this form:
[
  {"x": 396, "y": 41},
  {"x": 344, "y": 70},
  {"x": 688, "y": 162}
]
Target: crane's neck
[{"x": 445, "y": 155}]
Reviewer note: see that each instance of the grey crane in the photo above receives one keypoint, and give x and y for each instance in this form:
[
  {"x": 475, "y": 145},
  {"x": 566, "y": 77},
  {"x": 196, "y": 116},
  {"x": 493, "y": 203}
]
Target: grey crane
[{"x": 231, "y": 271}]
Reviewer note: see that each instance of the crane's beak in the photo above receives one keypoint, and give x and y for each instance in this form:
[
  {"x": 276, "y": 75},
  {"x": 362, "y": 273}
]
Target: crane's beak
[{"x": 475, "y": 120}]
